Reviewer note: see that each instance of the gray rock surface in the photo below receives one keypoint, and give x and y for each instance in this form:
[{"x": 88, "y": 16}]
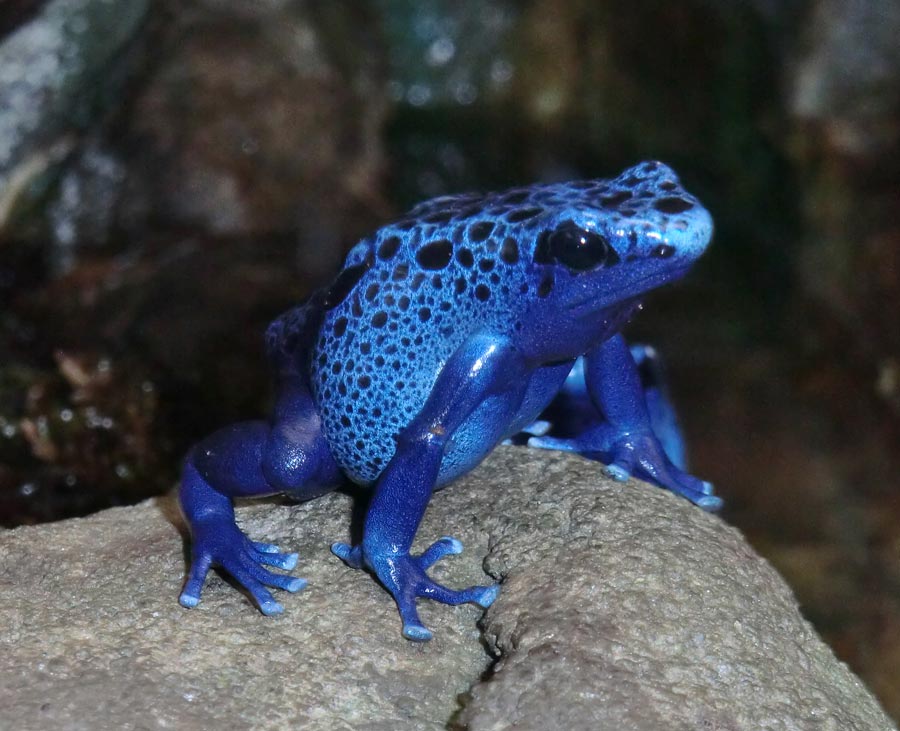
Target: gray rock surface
[{"x": 623, "y": 607}]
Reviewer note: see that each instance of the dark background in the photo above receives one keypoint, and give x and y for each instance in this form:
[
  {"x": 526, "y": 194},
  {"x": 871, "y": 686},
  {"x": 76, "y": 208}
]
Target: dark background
[{"x": 174, "y": 174}]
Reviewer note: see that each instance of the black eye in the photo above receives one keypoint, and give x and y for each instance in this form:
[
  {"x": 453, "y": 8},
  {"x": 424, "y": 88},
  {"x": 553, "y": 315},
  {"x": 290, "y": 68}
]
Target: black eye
[{"x": 576, "y": 248}]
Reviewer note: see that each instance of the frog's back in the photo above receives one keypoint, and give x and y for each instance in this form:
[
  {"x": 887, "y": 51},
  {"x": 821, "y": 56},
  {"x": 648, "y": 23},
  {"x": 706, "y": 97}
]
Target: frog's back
[{"x": 405, "y": 301}]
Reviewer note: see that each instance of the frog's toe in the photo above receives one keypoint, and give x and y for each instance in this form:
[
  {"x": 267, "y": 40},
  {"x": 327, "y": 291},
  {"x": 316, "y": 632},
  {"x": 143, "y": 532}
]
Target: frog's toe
[
  {"x": 189, "y": 599},
  {"x": 563, "y": 445},
  {"x": 245, "y": 562},
  {"x": 483, "y": 596},
  {"x": 254, "y": 578},
  {"x": 488, "y": 595},
  {"x": 190, "y": 594},
  {"x": 617, "y": 471},
  {"x": 269, "y": 606},
  {"x": 413, "y": 629},
  {"x": 699, "y": 492},
  {"x": 405, "y": 578},
  {"x": 710, "y": 503},
  {"x": 264, "y": 547},
  {"x": 538, "y": 428},
  {"x": 350, "y": 555},
  {"x": 285, "y": 561},
  {"x": 446, "y": 546}
]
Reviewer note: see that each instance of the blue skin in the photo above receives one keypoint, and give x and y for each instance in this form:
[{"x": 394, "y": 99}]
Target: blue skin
[{"x": 446, "y": 333}]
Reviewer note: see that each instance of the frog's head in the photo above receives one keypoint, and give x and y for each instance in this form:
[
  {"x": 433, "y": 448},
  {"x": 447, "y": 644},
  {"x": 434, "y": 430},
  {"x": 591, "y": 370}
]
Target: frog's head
[{"x": 615, "y": 240}]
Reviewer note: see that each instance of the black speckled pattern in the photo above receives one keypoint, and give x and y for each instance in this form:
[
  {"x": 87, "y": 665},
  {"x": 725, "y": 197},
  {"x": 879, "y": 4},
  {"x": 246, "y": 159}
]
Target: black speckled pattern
[{"x": 410, "y": 295}]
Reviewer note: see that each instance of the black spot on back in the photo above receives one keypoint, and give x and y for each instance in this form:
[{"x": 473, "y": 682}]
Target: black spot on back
[
  {"x": 668, "y": 186},
  {"x": 435, "y": 255},
  {"x": 482, "y": 292},
  {"x": 614, "y": 200},
  {"x": 672, "y": 205},
  {"x": 523, "y": 214},
  {"x": 388, "y": 248},
  {"x": 340, "y": 326},
  {"x": 344, "y": 283},
  {"x": 379, "y": 319},
  {"x": 480, "y": 231},
  {"x": 464, "y": 257},
  {"x": 509, "y": 252}
]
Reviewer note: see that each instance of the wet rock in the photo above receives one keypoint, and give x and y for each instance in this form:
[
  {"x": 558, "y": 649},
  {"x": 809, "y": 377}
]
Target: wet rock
[{"x": 622, "y": 607}]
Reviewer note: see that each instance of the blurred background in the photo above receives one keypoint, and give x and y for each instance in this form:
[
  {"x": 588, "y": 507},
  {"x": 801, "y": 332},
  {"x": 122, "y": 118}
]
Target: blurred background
[{"x": 173, "y": 174}]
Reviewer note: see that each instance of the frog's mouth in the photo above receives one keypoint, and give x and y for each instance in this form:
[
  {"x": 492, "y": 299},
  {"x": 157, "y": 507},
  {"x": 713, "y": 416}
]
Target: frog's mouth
[{"x": 588, "y": 304}]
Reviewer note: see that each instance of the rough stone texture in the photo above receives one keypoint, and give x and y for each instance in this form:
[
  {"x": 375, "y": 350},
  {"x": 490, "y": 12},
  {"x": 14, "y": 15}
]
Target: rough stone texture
[{"x": 622, "y": 607}]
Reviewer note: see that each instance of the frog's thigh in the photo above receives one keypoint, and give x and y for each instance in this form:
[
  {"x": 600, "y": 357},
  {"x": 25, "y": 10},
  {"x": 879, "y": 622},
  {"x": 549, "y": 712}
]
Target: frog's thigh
[{"x": 296, "y": 457}]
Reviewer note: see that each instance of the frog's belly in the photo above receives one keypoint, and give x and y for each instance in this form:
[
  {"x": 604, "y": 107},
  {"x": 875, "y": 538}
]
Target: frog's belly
[{"x": 363, "y": 435}]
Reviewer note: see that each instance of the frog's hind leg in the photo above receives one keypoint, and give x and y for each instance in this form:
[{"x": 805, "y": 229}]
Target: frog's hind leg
[
  {"x": 484, "y": 365},
  {"x": 614, "y": 408},
  {"x": 252, "y": 459}
]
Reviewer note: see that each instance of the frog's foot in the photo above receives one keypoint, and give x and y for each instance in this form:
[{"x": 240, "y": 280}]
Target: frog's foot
[
  {"x": 405, "y": 578},
  {"x": 220, "y": 543},
  {"x": 638, "y": 454}
]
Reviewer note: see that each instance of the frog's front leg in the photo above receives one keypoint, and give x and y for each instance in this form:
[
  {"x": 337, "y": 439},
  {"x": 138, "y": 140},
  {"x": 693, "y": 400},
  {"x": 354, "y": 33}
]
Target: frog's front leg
[
  {"x": 483, "y": 366},
  {"x": 624, "y": 439}
]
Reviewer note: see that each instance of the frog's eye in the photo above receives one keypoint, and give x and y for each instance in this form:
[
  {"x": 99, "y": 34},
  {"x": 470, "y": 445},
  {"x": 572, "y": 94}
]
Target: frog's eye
[{"x": 574, "y": 247}]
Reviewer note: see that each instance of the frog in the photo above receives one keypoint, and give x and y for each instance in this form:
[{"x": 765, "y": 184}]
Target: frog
[{"x": 447, "y": 332}]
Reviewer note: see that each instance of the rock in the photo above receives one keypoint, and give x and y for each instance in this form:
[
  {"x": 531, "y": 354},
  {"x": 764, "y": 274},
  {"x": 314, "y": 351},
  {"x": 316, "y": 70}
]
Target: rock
[
  {"x": 259, "y": 119},
  {"x": 622, "y": 607},
  {"x": 56, "y": 69}
]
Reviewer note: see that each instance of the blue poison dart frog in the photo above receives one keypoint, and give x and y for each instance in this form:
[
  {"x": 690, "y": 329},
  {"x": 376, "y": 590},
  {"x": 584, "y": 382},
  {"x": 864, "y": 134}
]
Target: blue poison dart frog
[{"x": 445, "y": 333}]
